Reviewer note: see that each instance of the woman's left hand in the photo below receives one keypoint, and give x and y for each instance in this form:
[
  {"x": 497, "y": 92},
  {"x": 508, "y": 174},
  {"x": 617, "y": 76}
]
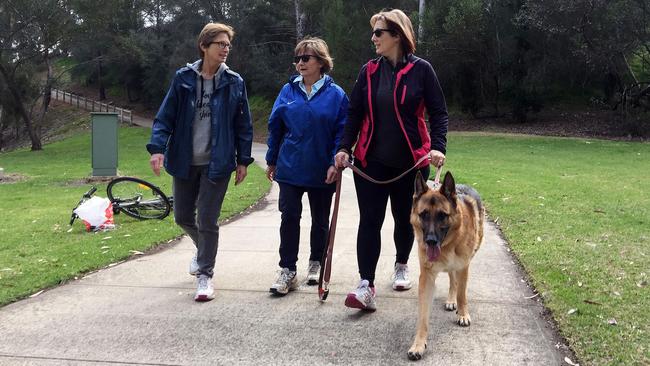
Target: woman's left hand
[
  {"x": 332, "y": 174},
  {"x": 437, "y": 158}
]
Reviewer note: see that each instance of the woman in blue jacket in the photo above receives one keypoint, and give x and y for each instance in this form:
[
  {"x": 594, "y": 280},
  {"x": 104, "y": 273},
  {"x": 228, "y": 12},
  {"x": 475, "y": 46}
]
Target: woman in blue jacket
[
  {"x": 201, "y": 134},
  {"x": 305, "y": 127}
]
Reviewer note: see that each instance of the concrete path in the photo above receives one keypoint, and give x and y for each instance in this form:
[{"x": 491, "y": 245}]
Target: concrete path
[{"x": 141, "y": 312}]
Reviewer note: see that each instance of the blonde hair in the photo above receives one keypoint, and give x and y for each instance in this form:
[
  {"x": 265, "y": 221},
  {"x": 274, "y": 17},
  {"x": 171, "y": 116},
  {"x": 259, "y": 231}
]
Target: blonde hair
[
  {"x": 320, "y": 49},
  {"x": 210, "y": 32},
  {"x": 398, "y": 22}
]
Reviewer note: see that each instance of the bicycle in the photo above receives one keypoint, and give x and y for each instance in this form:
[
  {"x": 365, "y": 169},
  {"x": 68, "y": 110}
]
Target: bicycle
[{"x": 135, "y": 197}]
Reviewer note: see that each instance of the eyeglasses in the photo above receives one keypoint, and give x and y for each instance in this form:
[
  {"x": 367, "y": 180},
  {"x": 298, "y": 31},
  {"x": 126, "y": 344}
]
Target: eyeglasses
[
  {"x": 379, "y": 31},
  {"x": 223, "y": 45},
  {"x": 304, "y": 58}
]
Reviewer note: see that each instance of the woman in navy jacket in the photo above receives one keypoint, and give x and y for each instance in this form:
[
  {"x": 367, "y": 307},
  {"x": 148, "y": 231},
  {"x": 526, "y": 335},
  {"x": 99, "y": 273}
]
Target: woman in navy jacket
[
  {"x": 305, "y": 127},
  {"x": 201, "y": 134},
  {"x": 386, "y": 126}
]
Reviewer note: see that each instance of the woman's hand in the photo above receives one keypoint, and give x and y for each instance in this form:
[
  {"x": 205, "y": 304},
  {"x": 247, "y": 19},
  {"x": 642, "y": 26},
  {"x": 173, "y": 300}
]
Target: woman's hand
[
  {"x": 332, "y": 174},
  {"x": 156, "y": 162},
  {"x": 340, "y": 159},
  {"x": 240, "y": 173},
  {"x": 437, "y": 158},
  {"x": 270, "y": 172}
]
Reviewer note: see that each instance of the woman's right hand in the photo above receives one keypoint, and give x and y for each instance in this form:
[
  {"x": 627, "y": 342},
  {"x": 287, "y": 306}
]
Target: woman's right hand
[
  {"x": 270, "y": 172},
  {"x": 340, "y": 159},
  {"x": 156, "y": 162}
]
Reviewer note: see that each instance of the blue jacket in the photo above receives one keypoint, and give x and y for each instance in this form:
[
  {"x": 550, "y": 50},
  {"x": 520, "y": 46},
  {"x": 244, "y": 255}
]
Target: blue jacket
[
  {"x": 304, "y": 134},
  {"x": 231, "y": 127}
]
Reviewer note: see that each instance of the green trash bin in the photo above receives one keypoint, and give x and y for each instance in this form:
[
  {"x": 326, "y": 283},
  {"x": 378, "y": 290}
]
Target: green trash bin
[{"x": 104, "y": 144}]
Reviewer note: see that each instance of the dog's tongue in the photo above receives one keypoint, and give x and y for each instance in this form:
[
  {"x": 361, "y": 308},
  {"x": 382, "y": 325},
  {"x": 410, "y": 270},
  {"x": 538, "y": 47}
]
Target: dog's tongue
[{"x": 433, "y": 252}]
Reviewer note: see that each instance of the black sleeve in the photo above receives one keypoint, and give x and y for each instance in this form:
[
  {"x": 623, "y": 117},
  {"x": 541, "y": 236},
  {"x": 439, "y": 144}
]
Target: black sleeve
[
  {"x": 434, "y": 100},
  {"x": 356, "y": 113}
]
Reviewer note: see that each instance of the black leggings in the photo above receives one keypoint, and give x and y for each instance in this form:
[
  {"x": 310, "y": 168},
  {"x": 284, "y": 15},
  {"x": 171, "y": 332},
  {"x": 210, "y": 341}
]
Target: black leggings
[{"x": 372, "y": 199}]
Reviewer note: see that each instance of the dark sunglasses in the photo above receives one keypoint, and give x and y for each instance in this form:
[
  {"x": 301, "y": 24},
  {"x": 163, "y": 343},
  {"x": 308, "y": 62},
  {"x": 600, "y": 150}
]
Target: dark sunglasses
[
  {"x": 303, "y": 58},
  {"x": 379, "y": 31}
]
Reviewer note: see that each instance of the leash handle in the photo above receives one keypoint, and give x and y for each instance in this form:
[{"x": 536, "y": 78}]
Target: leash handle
[{"x": 326, "y": 261}]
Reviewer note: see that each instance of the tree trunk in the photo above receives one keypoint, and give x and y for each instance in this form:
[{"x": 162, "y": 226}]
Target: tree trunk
[
  {"x": 100, "y": 81},
  {"x": 47, "y": 90},
  {"x": 300, "y": 20},
  {"x": 20, "y": 107},
  {"x": 421, "y": 10}
]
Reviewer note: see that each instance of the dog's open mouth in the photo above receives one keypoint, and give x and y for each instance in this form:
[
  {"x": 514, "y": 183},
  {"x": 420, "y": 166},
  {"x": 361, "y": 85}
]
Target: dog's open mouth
[{"x": 433, "y": 252}]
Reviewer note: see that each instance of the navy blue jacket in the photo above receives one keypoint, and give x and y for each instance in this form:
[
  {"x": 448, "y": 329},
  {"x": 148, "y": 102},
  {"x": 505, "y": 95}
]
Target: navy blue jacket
[
  {"x": 231, "y": 127},
  {"x": 304, "y": 134}
]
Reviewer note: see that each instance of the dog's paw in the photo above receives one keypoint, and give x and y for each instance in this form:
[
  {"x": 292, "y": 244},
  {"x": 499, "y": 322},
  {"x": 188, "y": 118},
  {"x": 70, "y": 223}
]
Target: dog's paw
[
  {"x": 450, "y": 306},
  {"x": 464, "y": 320},
  {"x": 416, "y": 352}
]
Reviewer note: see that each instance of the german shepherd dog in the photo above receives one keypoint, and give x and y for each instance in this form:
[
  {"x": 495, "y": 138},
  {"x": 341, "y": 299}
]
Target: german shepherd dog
[{"x": 448, "y": 225}]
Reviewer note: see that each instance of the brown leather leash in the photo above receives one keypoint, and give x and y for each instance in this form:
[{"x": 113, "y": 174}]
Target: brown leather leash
[{"x": 326, "y": 261}]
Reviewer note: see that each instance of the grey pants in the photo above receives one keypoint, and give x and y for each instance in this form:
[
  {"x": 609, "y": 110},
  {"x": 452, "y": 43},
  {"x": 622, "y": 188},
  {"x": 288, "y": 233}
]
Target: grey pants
[{"x": 197, "y": 206}]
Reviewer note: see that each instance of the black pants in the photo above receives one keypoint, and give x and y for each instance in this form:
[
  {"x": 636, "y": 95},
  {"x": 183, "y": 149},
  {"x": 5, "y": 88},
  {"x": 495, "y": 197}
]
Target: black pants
[
  {"x": 372, "y": 199},
  {"x": 320, "y": 200}
]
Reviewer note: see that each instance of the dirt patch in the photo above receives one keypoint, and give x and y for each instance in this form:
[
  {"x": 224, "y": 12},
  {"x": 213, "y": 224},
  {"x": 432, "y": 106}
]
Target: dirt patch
[
  {"x": 563, "y": 121},
  {"x": 9, "y": 178},
  {"x": 89, "y": 180}
]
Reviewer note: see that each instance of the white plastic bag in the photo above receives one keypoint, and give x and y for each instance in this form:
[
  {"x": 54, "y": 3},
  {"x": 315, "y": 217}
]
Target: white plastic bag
[{"x": 96, "y": 213}]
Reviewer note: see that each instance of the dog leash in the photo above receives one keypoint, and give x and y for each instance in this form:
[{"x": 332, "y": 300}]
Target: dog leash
[
  {"x": 326, "y": 261},
  {"x": 356, "y": 169}
]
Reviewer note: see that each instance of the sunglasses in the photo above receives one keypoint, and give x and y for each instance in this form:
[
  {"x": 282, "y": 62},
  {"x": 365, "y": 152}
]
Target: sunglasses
[
  {"x": 303, "y": 58},
  {"x": 223, "y": 45},
  {"x": 379, "y": 31}
]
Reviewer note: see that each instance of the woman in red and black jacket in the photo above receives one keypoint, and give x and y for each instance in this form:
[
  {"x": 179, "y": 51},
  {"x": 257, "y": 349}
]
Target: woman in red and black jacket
[{"x": 386, "y": 122}]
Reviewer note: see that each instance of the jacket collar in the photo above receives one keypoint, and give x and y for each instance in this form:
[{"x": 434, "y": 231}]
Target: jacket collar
[{"x": 189, "y": 72}]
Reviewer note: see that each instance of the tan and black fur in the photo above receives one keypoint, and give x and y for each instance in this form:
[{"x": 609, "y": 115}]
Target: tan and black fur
[{"x": 450, "y": 218}]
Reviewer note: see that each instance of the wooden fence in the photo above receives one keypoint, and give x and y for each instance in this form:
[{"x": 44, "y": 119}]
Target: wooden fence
[{"x": 123, "y": 115}]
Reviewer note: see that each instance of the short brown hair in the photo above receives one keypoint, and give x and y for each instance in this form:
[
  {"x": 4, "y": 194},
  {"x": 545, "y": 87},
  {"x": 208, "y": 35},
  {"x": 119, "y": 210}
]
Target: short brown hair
[
  {"x": 210, "y": 32},
  {"x": 320, "y": 49},
  {"x": 397, "y": 21}
]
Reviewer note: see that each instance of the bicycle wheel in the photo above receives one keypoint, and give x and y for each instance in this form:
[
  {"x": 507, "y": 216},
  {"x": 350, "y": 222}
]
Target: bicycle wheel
[{"x": 138, "y": 198}]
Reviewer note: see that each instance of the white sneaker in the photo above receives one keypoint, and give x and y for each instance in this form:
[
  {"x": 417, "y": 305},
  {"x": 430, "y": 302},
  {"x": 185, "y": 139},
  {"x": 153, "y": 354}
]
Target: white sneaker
[
  {"x": 204, "y": 289},
  {"x": 401, "y": 281},
  {"x": 194, "y": 266},
  {"x": 286, "y": 282},
  {"x": 363, "y": 297},
  {"x": 313, "y": 273}
]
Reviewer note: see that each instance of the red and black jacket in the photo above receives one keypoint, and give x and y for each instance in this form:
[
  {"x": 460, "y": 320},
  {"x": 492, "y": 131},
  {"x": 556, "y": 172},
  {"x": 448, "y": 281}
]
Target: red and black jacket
[{"x": 416, "y": 88}]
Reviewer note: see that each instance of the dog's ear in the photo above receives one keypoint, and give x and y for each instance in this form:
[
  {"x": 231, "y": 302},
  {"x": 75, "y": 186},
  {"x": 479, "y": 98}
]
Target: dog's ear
[
  {"x": 420, "y": 185},
  {"x": 448, "y": 188}
]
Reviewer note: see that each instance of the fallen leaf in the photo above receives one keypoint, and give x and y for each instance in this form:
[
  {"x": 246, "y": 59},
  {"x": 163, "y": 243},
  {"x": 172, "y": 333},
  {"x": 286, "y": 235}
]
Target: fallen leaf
[
  {"x": 568, "y": 360},
  {"x": 105, "y": 247},
  {"x": 612, "y": 321},
  {"x": 104, "y": 252},
  {"x": 136, "y": 252},
  {"x": 106, "y": 238},
  {"x": 532, "y": 296},
  {"x": 642, "y": 284},
  {"x": 127, "y": 235},
  {"x": 539, "y": 239},
  {"x": 616, "y": 293},
  {"x": 579, "y": 284},
  {"x": 36, "y": 294},
  {"x": 571, "y": 311},
  {"x": 69, "y": 230}
]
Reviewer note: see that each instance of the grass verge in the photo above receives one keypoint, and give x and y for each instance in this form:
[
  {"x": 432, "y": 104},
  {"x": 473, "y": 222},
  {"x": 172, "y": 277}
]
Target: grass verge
[
  {"x": 37, "y": 250},
  {"x": 577, "y": 214}
]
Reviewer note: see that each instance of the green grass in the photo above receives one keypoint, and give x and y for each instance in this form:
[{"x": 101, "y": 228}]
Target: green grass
[
  {"x": 577, "y": 214},
  {"x": 37, "y": 250}
]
